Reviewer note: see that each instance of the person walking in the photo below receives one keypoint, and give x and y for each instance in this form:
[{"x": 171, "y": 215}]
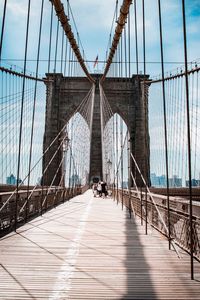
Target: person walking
[
  {"x": 99, "y": 189},
  {"x": 94, "y": 189},
  {"x": 104, "y": 189}
]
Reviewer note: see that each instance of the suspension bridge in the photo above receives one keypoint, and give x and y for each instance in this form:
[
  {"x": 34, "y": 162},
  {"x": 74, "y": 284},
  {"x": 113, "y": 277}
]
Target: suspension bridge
[{"x": 64, "y": 128}]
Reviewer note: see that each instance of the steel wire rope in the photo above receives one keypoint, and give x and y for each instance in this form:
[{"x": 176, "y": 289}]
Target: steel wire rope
[
  {"x": 66, "y": 48},
  {"x": 192, "y": 118},
  {"x": 174, "y": 126},
  {"x": 183, "y": 133},
  {"x": 62, "y": 50},
  {"x": 34, "y": 99},
  {"x": 51, "y": 184},
  {"x": 196, "y": 123},
  {"x": 75, "y": 25},
  {"x": 165, "y": 123},
  {"x": 56, "y": 47},
  {"x": 153, "y": 201},
  {"x": 177, "y": 138},
  {"x": 45, "y": 151},
  {"x": 22, "y": 108},
  {"x": 188, "y": 141},
  {"x": 50, "y": 38},
  {"x": 45, "y": 170},
  {"x": 2, "y": 28}
]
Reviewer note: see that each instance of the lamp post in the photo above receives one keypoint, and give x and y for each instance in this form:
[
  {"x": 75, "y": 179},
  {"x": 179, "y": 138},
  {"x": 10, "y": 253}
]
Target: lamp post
[
  {"x": 109, "y": 164},
  {"x": 64, "y": 148}
]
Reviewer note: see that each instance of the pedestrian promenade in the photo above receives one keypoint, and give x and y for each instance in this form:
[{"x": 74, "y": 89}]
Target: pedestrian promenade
[{"x": 88, "y": 248}]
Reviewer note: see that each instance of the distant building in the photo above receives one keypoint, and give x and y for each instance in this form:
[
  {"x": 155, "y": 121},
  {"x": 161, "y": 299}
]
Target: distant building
[
  {"x": 195, "y": 182},
  {"x": 12, "y": 180},
  {"x": 161, "y": 181},
  {"x": 154, "y": 180},
  {"x": 175, "y": 181}
]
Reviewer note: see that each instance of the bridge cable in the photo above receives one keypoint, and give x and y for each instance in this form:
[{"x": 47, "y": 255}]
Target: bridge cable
[
  {"x": 196, "y": 123},
  {"x": 62, "y": 49},
  {"x": 55, "y": 175},
  {"x": 137, "y": 72},
  {"x": 50, "y": 38},
  {"x": 188, "y": 139},
  {"x": 67, "y": 28},
  {"x": 66, "y": 48},
  {"x": 46, "y": 169},
  {"x": 34, "y": 99},
  {"x": 165, "y": 122},
  {"x": 122, "y": 160},
  {"x": 2, "y": 28},
  {"x": 56, "y": 49},
  {"x": 151, "y": 196},
  {"x": 79, "y": 108},
  {"x": 21, "y": 113},
  {"x": 118, "y": 31},
  {"x": 136, "y": 37}
]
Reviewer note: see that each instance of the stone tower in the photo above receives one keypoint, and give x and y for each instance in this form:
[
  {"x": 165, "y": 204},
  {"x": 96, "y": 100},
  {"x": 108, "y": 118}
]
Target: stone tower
[{"x": 127, "y": 97}]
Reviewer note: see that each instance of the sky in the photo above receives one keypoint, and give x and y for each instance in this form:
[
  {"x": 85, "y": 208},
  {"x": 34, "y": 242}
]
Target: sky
[{"x": 94, "y": 20}]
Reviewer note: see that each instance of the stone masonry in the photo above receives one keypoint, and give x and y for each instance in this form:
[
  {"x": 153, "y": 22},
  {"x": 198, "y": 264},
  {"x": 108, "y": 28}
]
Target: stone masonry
[{"x": 126, "y": 97}]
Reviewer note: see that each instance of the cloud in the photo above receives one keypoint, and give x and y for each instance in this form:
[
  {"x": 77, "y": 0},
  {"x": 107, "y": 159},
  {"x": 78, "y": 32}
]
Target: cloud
[{"x": 94, "y": 19}]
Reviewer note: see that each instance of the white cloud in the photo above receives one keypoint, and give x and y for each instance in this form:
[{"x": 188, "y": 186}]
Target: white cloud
[{"x": 94, "y": 20}]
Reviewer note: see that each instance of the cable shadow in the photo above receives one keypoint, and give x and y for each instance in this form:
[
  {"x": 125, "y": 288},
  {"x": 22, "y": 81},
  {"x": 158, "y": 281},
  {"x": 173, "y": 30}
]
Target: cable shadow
[
  {"x": 139, "y": 284},
  {"x": 64, "y": 260},
  {"x": 18, "y": 282},
  {"x": 82, "y": 244}
]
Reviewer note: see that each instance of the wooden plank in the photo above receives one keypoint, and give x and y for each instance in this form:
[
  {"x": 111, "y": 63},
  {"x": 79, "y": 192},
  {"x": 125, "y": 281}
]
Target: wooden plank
[{"x": 88, "y": 248}]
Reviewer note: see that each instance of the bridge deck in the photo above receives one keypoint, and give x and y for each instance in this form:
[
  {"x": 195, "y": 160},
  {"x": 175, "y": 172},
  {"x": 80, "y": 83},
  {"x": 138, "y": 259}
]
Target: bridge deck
[{"x": 88, "y": 248}]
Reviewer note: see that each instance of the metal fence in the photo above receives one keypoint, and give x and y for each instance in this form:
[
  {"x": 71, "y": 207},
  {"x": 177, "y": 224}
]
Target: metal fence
[
  {"x": 18, "y": 208},
  {"x": 140, "y": 203}
]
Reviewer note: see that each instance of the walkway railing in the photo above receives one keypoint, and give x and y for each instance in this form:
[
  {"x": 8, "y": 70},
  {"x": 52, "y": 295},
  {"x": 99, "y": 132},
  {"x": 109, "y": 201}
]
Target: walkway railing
[
  {"x": 41, "y": 200},
  {"x": 179, "y": 219}
]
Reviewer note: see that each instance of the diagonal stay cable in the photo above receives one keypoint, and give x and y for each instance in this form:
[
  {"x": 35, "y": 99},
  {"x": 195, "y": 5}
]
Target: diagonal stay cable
[
  {"x": 151, "y": 197},
  {"x": 47, "y": 149}
]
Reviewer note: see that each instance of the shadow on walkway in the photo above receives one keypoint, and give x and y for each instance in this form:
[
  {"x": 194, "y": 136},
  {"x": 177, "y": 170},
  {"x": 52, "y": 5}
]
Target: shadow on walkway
[{"x": 139, "y": 283}]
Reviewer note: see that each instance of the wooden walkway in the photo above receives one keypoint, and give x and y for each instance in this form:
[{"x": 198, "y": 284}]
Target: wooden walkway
[{"x": 88, "y": 248}]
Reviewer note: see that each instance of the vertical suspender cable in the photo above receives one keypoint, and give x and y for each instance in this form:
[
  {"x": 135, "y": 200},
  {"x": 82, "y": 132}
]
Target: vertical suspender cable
[
  {"x": 137, "y": 70},
  {"x": 129, "y": 46},
  {"x": 117, "y": 157},
  {"x": 69, "y": 63},
  {"x": 50, "y": 37},
  {"x": 136, "y": 37},
  {"x": 196, "y": 124},
  {"x": 65, "y": 61},
  {"x": 34, "y": 100},
  {"x": 2, "y": 29},
  {"x": 128, "y": 142},
  {"x": 129, "y": 62},
  {"x": 55, "y": 61},
  {"x": 121, "y": 45},
  {"x": 122, "y": 161},
  {"x": 114, "y": 159},
  {"x": 145, "y": 108},
  {"x": 125, "y": 53},
  {"x": 62, "y": 45},
  {"x": 144, "y": 167},
  {"x": 188, "y": 136},
  {"x": 165, "y": 122},
  {"x": 144, "y": 42},
  {"x": 21, "y": 113}
]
